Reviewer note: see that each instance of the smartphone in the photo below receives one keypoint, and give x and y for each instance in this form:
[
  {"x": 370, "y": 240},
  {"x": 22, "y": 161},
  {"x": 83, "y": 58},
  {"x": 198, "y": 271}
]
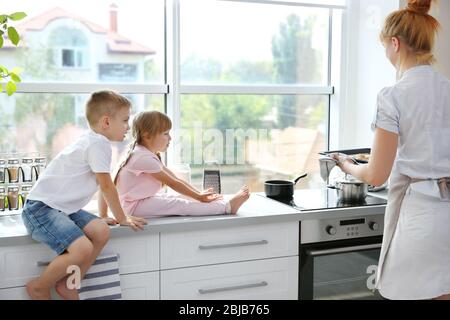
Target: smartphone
[{"x": 211, "y": 179}]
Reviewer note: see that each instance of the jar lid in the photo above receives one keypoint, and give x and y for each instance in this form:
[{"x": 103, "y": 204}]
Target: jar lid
[
  {"x": 13, "y": 188},
  {"x": 26, "y": 187},
  {"x": 40, "y": 160},
  {"x": 2, "y": 161},
  {"x": 27, "y": 160},
  {"x": 13, "y": 161},
  {"x": 2, "y": 189}
]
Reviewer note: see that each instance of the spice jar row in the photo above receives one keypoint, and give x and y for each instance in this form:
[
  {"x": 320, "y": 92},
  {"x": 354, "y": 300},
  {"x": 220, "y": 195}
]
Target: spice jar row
[
  {"x": 13, "y": 197},
  {"x": 15, "y": 170}
]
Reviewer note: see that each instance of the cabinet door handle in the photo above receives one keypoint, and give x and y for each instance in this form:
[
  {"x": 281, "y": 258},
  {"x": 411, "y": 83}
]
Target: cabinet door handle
[
  {"x": 238, "y": 287},
  {"x": 232, "y": 245},
  {"x": 42, "y": 263}
]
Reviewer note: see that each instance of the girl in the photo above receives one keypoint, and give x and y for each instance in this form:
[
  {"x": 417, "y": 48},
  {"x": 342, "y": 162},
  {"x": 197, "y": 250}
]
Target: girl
[
  {"x": 142, "y": 175},
  {"x": 412, "y": 127}
]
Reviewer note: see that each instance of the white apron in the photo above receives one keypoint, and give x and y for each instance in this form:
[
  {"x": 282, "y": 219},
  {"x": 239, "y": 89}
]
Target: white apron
[{"x": 398, "y": 185}]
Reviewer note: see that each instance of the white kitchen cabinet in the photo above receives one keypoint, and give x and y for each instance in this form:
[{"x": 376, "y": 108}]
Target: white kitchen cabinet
[
  {"x": 222, "y": 245},
  {"x": 19, "y": 264},
  {"x": 140, "y": 286},
  {"x": 269, "y": 279},
  {"x": 18, "y": 293},
  {"x": 139, "y": 253}
]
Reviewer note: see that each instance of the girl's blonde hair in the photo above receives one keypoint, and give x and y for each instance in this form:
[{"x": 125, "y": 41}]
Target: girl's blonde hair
[
  {"x": 149, "y": 123},
  {"x": 415, "y": 27}
]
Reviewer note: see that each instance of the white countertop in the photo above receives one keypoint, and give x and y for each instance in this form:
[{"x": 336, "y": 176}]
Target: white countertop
[{"x": 257, "y": 209}]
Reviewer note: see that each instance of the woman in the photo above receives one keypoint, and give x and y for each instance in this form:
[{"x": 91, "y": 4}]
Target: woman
[{"x": 412, "y": 139}]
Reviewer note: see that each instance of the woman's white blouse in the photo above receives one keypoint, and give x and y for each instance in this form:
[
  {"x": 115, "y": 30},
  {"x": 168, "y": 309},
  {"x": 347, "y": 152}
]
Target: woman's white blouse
[{"x": 417, "y": 108}]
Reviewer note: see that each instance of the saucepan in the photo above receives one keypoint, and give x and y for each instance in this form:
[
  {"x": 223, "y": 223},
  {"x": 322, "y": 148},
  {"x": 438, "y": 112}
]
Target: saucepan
[{"x": 281, "y": 188}]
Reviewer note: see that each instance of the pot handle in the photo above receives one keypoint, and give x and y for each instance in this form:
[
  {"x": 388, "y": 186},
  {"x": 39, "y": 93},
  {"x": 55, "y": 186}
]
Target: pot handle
[
  {"x": 302, "y": 176},
  {"x": 334, "y": 187}
]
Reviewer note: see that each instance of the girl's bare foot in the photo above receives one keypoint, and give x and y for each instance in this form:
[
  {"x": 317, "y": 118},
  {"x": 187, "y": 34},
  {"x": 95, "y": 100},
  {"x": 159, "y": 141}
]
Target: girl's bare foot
[
  {"x": 36, "y": 292},
  {"x": 64, "y": 292},
  {"x": 239, "y": 198}
]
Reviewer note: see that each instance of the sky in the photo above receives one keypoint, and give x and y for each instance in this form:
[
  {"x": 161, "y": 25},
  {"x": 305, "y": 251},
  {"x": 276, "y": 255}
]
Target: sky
[{"x": 215, "y": 21}]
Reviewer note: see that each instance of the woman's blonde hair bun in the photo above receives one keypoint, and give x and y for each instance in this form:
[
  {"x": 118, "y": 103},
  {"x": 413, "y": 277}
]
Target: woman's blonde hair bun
[{"x": 419, "y": 6}]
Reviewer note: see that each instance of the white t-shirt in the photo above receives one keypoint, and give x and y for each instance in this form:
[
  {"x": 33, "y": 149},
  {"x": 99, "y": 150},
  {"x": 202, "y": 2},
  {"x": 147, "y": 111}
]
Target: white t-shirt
[
  {"x": 68, "y": 183},
  {"x": 417, "y": 108}
]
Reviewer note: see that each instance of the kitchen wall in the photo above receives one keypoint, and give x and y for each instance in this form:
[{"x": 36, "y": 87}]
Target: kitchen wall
[{"x": 367, "y": 70}]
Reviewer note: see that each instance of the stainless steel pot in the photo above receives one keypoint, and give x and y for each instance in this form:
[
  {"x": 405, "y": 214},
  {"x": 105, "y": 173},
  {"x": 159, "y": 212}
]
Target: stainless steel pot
[{"x": 350, "y": 190}]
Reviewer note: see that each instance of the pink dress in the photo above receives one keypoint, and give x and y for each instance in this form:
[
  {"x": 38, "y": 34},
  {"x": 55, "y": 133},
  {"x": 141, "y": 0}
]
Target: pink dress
[{"x": 139, "y": 191}]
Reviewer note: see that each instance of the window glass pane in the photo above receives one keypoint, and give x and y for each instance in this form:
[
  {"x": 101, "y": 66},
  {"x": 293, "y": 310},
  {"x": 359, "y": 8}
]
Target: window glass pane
[
  {"x": 48, "y": 122},
  {"x": 229, "y": 42},
  {"x": 253, "y": 138},
  {"x": 71, "y": 40}
]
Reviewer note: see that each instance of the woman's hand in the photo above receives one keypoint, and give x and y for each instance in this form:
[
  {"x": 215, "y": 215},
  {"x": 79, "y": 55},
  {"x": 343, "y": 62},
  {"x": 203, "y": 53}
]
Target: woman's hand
[
  {"x": 343, "y": 161},
  {"x": 135, "y": 223},
  {"x": 208, "y": 195}
]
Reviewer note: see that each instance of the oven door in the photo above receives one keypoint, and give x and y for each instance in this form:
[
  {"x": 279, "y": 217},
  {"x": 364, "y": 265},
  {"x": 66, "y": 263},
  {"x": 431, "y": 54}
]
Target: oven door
[{"x": 339, "y": 270}]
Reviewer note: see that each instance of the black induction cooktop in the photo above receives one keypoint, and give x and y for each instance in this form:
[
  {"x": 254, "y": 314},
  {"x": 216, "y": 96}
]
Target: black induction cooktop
[{"x": 320, "y": 199}]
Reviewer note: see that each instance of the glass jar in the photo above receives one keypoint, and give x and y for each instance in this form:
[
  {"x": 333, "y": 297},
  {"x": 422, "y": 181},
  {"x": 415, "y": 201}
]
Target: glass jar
[
  {"x": 13, "y": 170},
  {"x": 13, "y": 197},
  {"x": 2, "y": 199},
  {"x": 2, "y": 170},
  {"x": 39, "y": 165},
  {"x": 26, "y": 168},
  {"x": 24, "y": 191}
]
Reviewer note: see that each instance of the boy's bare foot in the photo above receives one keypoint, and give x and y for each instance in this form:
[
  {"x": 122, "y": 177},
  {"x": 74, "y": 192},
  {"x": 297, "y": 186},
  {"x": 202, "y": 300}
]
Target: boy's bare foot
[
  {"x": 37, "y": 293},
  {"x": 64, "y": 292},
  {"x": 239, "y": 198}
]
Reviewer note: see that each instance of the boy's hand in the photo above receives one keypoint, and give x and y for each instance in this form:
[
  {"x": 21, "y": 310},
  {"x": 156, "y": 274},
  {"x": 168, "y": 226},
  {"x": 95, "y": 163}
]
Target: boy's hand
[
  {"x": 134, "y": 222},
  {"x": 110, "y": 221}
]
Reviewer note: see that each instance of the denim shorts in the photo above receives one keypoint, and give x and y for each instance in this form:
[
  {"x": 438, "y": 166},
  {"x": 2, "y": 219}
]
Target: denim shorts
[{"x": 53, "y": 227}]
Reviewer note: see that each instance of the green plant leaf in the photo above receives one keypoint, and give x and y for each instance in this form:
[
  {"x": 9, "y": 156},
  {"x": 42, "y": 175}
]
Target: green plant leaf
[
  {"x": 1, "y": 87},
  {"x": 4, "y": 71},
  {"x": 1, "y": 40},
  {"x": 10, "y": 88},
  {"x": 3, "y": 18},
  {"x": 15, "y": 78},
  {"x": 17, "y": 16},
  {"x": 13, "y": 35},
  {"x": 17, "y": 70}
]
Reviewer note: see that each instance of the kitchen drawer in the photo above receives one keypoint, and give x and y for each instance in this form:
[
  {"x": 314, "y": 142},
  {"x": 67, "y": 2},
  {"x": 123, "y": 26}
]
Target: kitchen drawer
[
  {"x": 18, "y": 293},
  {"x": 137, "y": 253},
  {"x": 193, "y": 248},
  {"x": 19, "y": 264},
  {"x": 140, "y": 286},
  {"x": 268, "y": 279}
]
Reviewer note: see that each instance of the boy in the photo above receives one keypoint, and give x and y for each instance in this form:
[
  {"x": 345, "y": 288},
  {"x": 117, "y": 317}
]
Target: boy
[{"x": 53, "y": 214}]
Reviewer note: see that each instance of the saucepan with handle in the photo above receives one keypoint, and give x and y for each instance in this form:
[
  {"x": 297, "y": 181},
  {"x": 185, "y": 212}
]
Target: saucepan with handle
[{"x": 281, "y": 188}]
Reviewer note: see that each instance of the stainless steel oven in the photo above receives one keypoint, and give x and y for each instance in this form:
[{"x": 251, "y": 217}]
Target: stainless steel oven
[{"x": 339, "y": 257}]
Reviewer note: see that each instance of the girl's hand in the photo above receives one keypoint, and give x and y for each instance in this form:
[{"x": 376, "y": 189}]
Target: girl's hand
[
  {"x": 209, "y": 196},
  {"x": 110, "y": 221},
  {"x": 135, "y": 223}
]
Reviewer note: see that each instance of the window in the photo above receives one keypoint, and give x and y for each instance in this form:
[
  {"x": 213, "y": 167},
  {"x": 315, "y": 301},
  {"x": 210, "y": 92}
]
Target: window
[
  {"x": 247, "y": 83},
  {"x": 70, "y": 46}
]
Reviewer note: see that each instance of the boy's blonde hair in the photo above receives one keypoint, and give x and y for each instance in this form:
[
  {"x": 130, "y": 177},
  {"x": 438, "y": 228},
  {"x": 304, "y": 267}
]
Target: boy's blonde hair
[
  {"x": 150, "y": 123},
  {"x": 104, "y": 103}
]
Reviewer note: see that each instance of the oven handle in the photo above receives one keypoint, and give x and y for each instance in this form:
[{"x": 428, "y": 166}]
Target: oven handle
[{"x": 343, "y": 250}]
